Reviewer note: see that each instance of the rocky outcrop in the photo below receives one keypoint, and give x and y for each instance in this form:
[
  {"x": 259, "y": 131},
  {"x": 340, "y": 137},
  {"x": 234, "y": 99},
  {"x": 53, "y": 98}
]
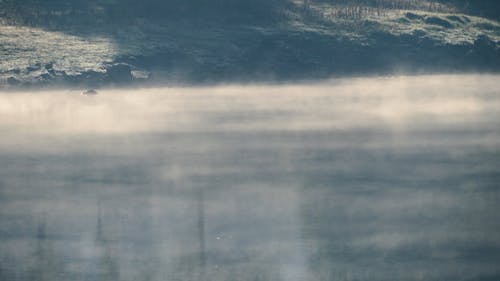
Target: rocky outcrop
[{"x": 119, "y": 73}]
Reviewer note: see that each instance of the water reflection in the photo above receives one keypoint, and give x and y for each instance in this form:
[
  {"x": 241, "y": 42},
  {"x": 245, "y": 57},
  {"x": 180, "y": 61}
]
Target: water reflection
[{"x": 357, "y": 179}]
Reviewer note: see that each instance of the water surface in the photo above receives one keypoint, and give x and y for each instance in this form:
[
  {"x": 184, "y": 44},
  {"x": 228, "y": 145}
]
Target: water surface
[{"x": 393, "y": 178}]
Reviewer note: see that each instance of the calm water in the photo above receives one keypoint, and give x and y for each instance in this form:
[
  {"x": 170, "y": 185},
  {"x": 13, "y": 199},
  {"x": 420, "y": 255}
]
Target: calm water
[{"x": 356, "y": 179}]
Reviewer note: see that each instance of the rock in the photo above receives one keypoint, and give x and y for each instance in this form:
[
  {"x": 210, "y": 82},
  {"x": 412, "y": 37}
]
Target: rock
[
  {"x": 13, "y": 81},
  {"x": 419, "y": 33},
  {"x": 438, "y": 21},
  {"x": 89, "y": 92},
  {"x": 49, "y": 66},
  {"x": 403, "y": 20},
  {"x": 120, "y": 72},
  {"x": 45, "y": 76},
  {"x": 140, "y": 75},
  {"x": 35, "y": 67},
  {"x": 456, "y": 19},
  {"x": 413, "y": 16}
]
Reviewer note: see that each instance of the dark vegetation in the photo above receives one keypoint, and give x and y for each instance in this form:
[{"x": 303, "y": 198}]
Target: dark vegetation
[
  {"x": 55, "y": 13},
  {"x": 484, "y": 8},
  {"x": 62, "y": 13}
]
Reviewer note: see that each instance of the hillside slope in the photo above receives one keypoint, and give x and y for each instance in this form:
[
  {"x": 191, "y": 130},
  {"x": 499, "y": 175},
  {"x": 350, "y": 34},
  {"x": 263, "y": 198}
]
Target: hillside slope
[{"x": 300, "y": 42}]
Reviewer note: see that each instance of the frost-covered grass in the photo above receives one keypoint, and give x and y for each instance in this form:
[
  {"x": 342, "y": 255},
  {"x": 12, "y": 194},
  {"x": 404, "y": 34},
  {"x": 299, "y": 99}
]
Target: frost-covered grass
[
  {"x": 453, "y": 29},
  {"x": 24, "y": 51},
  {"x": 23, "y": 47},
  {"x": 447, "y": 26}
]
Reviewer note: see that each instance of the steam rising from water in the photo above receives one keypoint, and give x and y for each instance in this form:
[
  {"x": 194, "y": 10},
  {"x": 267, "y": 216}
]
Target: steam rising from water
[
  {"x": 338, "y": 104},
  {"x": 351, "y": 179}
]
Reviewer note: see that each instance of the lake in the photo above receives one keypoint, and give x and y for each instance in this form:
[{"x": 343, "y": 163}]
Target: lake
[{"x": 381, "y": 178}]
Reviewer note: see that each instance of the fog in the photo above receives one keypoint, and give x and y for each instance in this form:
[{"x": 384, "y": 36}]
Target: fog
[{"x": 383, "y": 178}]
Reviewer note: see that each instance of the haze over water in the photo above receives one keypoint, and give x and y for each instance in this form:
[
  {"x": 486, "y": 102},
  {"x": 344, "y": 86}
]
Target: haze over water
[{"x": 390, "y": 178}]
